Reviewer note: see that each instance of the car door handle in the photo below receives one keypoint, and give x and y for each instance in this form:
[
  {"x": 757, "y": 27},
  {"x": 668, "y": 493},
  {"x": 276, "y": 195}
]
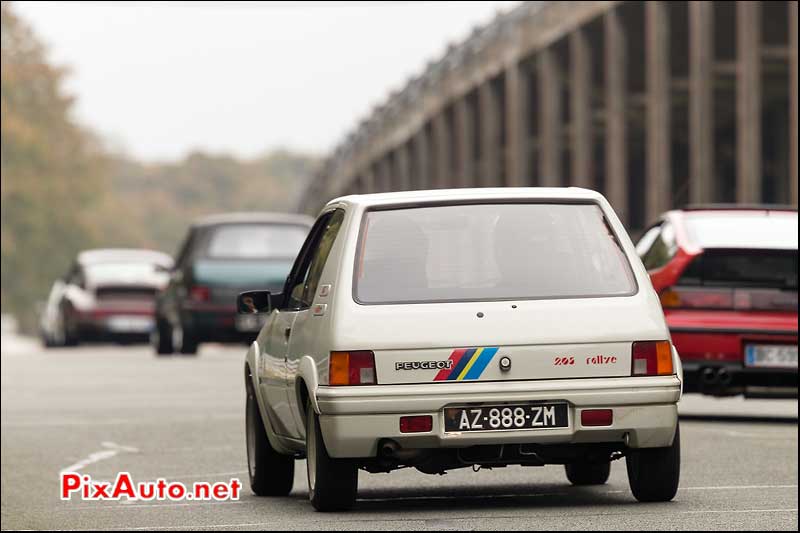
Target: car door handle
[{"x": 287, "y": 332}]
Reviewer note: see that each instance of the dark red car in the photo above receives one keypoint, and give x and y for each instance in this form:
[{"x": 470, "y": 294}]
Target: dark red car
[{"x": 727, "y": 280}]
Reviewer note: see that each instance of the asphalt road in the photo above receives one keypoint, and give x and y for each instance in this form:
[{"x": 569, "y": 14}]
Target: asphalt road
[{"x": 120, "y": 409}]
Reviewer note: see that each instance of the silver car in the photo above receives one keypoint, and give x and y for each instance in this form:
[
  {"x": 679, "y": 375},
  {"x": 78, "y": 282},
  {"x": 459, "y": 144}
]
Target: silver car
[{"x": 462, "y": 328}]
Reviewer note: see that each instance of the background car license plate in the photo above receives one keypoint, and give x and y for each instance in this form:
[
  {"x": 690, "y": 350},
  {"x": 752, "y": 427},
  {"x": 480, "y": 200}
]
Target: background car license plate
[
  {"x": 771, "y": 355},
  {"x": 130, "y": 324},
  {"x": 506, "y": 417}
]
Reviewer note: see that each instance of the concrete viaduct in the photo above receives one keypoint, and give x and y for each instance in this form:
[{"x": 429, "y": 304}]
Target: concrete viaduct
[{"x": 655, "y": 104}]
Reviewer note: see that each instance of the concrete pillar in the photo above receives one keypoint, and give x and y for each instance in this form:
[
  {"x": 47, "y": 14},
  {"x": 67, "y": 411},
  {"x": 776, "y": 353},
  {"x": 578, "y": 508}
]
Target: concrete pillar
[
  {"x": 464, "y": 137},
  {"x": 385, "y": 171},
  {"x": 516, "y": 113},
  {"x": 489, "y": 174},
  {"x": 702, "y": 182},
  {"x": 748, "y": 102},
  {"x": 792, "y": 6},
  {"x": 616, "y": 105},
  {"x": 580, "y": 75},
  {"x": 441, "y": 141},
  {"x": 658, "y": 187},
  {"x": 401, "y": 168},
  {"x": 368, "y": 181},
  {"x": 550, "y": 140},
  {"x": 419, "y": 174}
]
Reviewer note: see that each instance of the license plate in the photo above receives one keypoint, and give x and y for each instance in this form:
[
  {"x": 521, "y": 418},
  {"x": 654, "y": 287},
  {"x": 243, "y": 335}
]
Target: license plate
[
  {"x": 130, "y": 324},
  {"x": 509, "y": 417},
  {"x": 771, "y": 355},
  {"x": 249, "y": 323}
]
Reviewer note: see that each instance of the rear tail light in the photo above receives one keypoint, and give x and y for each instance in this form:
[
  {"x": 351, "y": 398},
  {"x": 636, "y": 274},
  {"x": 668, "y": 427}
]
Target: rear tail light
[
  {"x": 597, "y": 417},
  {"x": 651, "y": 358},
  {"x": 199, "y": 293},
  {"x": 352, "y": 368},
  {"x": 416, "y": 424},
  {"x": 728, "y": 298}
]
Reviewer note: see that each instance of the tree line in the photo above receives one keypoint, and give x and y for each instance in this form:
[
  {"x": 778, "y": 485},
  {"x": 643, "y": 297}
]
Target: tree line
[{"x": 64, "y": 191}]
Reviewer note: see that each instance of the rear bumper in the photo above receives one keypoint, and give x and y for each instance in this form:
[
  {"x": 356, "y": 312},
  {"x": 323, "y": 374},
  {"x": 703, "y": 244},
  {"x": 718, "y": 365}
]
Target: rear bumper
[
  {"x": 215, "y": 325},
  {"x": 727, "y": 379},
  {"x": 713, "y": 362},
  {"x": 118, "y": 325},
  {"x": 355, "y": 419}
]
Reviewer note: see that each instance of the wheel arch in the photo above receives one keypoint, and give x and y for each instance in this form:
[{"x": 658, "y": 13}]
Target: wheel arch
[
  {"x": 306, "y": 385},
  {"x": 251, "y": 387}
]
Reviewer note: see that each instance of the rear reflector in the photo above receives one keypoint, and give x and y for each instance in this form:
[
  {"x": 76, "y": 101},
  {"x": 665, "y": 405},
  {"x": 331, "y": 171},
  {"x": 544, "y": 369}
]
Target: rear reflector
[
  {"x": 352, "y": 368},
  {"x": 597, "y": 417},
  {"x": 416, "y": 424},
  {"x": 651, "y": 358}
]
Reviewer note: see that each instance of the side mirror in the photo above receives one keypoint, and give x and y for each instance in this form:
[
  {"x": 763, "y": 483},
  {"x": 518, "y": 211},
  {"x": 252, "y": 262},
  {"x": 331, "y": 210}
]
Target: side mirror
[{"x": 254, "y": 302}]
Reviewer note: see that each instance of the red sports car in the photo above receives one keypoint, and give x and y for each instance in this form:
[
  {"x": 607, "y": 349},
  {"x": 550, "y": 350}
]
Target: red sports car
[{"x": 727, "y": 279}]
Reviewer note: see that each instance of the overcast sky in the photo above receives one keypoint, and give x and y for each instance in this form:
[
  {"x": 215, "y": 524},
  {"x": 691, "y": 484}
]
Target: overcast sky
[{"x": 160, "y": 79}]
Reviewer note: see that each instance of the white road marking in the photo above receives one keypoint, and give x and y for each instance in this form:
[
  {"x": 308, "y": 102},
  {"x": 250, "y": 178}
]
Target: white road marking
[
  {"x": 739, "y": 487},
  {"x": 723, "y": 487},
  {"x": 83, "y": 422},
  {"x": 711, "y": 511},
  {"x": 766, "y": 435},
  {"x": 467, "y": 497},
  {"x": 130, "y": 504},
  {"x": 111, "y": 450},
  {"x": 271, "y": 524}
]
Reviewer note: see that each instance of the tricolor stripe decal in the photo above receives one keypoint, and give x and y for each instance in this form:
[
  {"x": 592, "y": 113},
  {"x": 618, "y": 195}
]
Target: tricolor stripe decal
[
  {"x": 468, "y": 364},
  {"x": 481, "y": 363},
  {"x": 454, "y": 357}
]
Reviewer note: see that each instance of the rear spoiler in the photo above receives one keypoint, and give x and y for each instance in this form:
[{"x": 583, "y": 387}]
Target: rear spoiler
[{"x": 739, "y": 207}]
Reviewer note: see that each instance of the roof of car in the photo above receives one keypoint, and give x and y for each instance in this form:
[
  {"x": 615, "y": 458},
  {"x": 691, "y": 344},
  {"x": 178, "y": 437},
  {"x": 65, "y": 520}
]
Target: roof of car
[
  {"x": 469, "y": 195},
  {"x": 740, "y": 227},
  {"x": 110, "y": 255},
  {"x": 253, "y": 218},
  {"x": 738, "y": 207}
]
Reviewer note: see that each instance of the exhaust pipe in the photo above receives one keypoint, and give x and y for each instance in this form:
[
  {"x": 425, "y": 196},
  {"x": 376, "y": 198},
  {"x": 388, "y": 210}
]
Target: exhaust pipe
[
  {"x": 724, "y": 377},
  {"x": 391, "y": 450},
  {"x": 709, "y": 376}
]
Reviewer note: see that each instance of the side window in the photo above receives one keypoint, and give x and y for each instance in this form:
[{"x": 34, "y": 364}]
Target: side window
[
  {"x": 77, "y": 277},
  {"x": 662, "y": 249},
  {"x": 320, "y": 256},
  {"x": 295, "y": 288},
  {"x": 646, "y": 241},
  {"x": 185, "y": 249}
]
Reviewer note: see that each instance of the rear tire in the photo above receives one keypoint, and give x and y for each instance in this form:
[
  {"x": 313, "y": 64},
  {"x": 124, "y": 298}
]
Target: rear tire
[
  {"x": 332, "y": 483},
  {"x": 161, "y": 338},
  {"x": 271, "y": 474},
  {"x": 654, "y": 473},
  {"x": 69, "y": 330},
  {"x": 581, "y": 474},
  {"x": 189, "y": 342}
]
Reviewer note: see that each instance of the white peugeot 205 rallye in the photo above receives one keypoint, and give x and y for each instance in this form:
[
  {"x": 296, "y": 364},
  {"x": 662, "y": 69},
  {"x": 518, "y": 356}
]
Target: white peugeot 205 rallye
[{"x": 454, "y": 328}]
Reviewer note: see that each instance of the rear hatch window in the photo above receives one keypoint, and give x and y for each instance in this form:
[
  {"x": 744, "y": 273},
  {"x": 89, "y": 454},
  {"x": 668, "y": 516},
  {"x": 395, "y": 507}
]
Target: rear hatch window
[
  {"x": 741, "y": 280},
  {"x": 775, "y": 269},
  {"x": 246, "y": 274},
  {"x": 256, "y": 241},
  {"x": 489, "y": 252}
]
